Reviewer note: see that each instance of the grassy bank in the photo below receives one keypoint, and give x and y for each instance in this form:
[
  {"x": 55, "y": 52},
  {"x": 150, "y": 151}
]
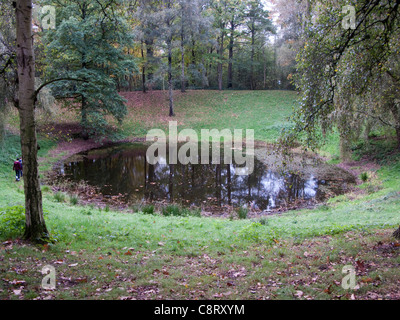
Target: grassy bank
[{"x": 105, "y": 254}]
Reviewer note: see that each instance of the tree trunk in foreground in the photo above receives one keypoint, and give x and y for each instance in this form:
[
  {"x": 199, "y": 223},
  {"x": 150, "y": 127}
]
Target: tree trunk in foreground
[
  {"x": 396, "y": 234},
  {"x": 35, "y": 229}
]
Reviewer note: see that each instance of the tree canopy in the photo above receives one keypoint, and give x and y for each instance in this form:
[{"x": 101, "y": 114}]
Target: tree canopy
[{"x": 348, "y": 74}]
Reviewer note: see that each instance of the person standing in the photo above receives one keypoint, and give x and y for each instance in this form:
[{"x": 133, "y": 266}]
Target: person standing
[{"x": 18, "y": 169}]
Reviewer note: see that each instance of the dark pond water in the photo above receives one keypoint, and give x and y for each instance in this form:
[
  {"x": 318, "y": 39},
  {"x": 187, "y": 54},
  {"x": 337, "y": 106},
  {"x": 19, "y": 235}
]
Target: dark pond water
[{"x": 123, "y": 170}]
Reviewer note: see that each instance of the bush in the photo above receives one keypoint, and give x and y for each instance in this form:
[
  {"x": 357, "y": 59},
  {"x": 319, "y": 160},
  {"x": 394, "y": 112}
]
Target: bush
[
  {"x": 177, "y": 211},
  {"x": 364, "y": 177},
  {"x": 73, "y": 199},
  {"x": 12, "y": 222},
  {"x": 242, "y": 212},
  {"x": 46, "y": 188},
  {"x": 263, "y": 221},
  {"x": 172, "y": 210},
  {"x": 148, "y": 209},
  {"x": 59, "y": 197},
  {"x": 196, "y": 212}
]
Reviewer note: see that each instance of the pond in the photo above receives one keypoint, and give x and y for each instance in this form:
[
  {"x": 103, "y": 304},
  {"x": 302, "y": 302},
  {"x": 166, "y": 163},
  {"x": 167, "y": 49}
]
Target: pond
[{"x": 122, "y": 172}]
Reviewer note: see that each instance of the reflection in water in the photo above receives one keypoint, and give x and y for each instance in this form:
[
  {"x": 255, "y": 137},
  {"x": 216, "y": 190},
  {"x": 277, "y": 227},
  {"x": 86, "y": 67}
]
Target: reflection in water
[{"x": 124, "y": 170}]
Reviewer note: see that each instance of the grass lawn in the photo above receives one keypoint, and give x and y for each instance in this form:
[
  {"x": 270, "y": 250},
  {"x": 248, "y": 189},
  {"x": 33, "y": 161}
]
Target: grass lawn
[
  {"x": 106, "y": 254},
  {"x": 263, "y": 111}
]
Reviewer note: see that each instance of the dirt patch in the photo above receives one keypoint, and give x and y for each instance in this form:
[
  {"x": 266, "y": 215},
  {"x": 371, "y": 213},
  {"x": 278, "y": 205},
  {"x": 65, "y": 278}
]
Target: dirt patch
[
  {"x": 358, "y": 167},
  {"x": 150, "y": 108}
]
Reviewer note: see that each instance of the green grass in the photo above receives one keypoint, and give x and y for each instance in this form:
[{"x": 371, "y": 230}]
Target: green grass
[
  {"x": 109, "y": 254},
  {"x": 263, "y": 111}
]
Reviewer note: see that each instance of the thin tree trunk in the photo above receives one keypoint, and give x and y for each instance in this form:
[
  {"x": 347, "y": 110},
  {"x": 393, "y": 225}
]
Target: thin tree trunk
[
  {"x": 84, "y": 121},
  {"x": 209, "y": 67},
  {"x": 193, "y": 51},
  {"x": 170, "y": 85},
  {"x": 264, "y": 70},
  {"x": 230, "y": 62},
  {"x": 35, "y": 229},
  {"x": 221, "y": 56},
  {"x": 143, "y": 71},
  {"x": 396, "y": 116},
  {"x": 150, "y": 56},
  {"x": 345, "y": 152},
  {"x": 252, "y": 86},
  {"x": 183, "y": 87}
]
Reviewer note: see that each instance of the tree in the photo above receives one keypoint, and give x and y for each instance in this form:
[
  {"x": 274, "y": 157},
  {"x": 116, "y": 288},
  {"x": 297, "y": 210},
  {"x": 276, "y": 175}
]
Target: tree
[
  {"x": 221, "y": 18},
  {"x": 292, "y": 18},
  {"x": 194, "y": 35},
  {"x": 192, "y": 24},
  {"x": 258, "y": 23},
  {"x": 147, "y": 31},
  {"x": 341, "y": 65},
  {"x": 236, "y": 17},
  {"x": 170, "y": 29},
  {"x": 8, "y": 68},
  {"x": 90, "y": 44},
  {"x": 348, "y": 71},
  {"x": 35, "y": 229}
]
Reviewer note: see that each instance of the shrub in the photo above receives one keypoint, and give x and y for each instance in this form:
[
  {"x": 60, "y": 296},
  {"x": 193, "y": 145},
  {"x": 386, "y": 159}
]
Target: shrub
[
  {"x": 73, "y": 199},
  {"x": 46, "y": 188},
  {"x": 59, "y": 197},
  {"x": 12, "y": 221},
  {"x": 172, "y": 210},
  {"x": 242, "y": 212},
  {"x": 177, "y": 211},
  {"x": 364, "y": 177},
  {"x": 148, "y": 209},
  {"x": 263, "y": 221},
  {"x": 195, "y": 212}
]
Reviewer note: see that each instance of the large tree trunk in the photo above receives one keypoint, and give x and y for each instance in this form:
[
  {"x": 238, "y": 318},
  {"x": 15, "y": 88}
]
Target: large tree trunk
[{"x": 35, "y": 229}]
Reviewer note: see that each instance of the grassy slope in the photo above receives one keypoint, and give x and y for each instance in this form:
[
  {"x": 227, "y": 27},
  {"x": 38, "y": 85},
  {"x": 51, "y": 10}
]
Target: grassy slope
[
  {"x": 261, "y": 111},
  {"x": 295, "y": 255}
]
